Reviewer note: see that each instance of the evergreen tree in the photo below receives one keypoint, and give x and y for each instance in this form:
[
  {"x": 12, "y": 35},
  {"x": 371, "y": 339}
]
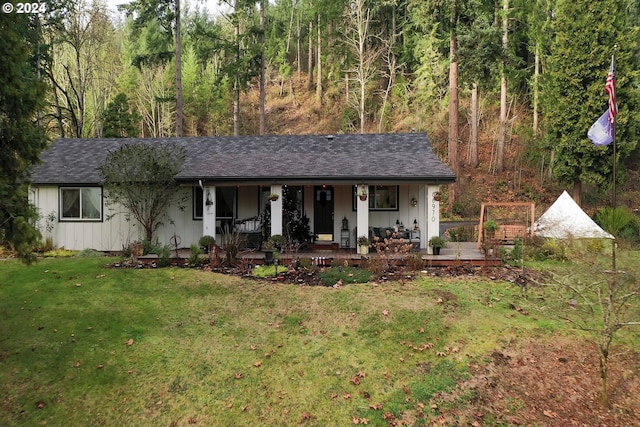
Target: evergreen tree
[
  {"x": 574, "y": 97},
  {"x": 21, "y": 138},
  {"x": 119, "y": 121}
]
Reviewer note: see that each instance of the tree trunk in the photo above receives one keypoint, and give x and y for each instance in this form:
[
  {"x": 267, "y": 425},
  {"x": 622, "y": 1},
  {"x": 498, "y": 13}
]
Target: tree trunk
[
  {"x": 453, "y": 105},
  {"x": 503, "y": 91},
  {"x": 319, "y": 62},
  {"x": 310, "y": 66},
  {"x": 299, "y": 47},
  {"x": 473, "y": 141},
  {"x": 536, "y": 91},
  {"x": 179, "y": 113},
  {"x": 577, "y": 192},
  {"x": 347, "y": 89},
  {"x": 236, "y": 82},
  {"x": 263, "y": 91}
]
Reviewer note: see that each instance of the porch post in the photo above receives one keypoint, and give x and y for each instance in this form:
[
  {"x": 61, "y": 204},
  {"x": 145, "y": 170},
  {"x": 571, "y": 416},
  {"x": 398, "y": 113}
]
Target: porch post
[
  {"x": 362, "y": 208},
  {"x": 433, "y": 214},
  {"x": 276, "y": 210},
  {"x": 209, "y": 211},
  {"x": 423, "y": 219}
]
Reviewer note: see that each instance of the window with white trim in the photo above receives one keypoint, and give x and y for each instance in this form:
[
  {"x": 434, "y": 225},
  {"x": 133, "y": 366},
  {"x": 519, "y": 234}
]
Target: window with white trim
[
  {"x": 380, "y": 197},
  {"x": 80, "y": 203}
]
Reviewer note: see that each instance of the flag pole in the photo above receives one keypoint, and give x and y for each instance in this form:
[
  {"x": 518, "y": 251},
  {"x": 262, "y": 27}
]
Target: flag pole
[{"x": 612, "y": 115}]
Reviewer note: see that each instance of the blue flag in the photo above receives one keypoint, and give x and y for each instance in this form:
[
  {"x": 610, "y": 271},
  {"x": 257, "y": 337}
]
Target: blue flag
[{"x": 601, "y": 132}]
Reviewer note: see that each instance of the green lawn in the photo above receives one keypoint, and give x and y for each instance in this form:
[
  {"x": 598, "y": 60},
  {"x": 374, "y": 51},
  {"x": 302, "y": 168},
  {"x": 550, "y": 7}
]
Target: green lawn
[{"x": 85, "y": 345}]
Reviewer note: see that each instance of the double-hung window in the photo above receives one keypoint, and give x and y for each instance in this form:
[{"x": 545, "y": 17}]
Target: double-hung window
[{"x": 80, "y": 204}]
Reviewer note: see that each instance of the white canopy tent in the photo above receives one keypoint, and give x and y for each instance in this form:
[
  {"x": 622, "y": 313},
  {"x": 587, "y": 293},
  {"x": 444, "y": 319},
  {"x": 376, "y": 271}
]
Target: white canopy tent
[{"x": 565, "y": 219}]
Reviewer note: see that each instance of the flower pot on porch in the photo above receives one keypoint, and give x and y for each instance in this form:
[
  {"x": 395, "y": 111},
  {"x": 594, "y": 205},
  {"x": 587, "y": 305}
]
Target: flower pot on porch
[
  {"x": 364, "y": 249},
  {"x": 436, "y": 250},
  {"x": 268, "y": 257}
]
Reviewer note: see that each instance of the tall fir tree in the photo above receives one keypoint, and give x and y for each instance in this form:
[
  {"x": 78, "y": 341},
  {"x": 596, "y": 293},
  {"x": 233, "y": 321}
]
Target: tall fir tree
[
  {"x": 584, "y": 36},
  {"x": 21, "y": 137}
]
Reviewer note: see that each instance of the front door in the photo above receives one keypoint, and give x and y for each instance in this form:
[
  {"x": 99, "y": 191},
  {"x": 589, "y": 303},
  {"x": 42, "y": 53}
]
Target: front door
[{"x": 323, "y": 212}]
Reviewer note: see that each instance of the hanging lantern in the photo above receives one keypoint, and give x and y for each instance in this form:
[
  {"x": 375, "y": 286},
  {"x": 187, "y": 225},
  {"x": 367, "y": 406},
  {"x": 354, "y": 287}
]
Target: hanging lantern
[{"x": 345, "y": 223}]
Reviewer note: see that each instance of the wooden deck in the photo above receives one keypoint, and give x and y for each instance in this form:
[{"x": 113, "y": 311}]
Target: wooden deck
[{"x": 454, "y": 253}]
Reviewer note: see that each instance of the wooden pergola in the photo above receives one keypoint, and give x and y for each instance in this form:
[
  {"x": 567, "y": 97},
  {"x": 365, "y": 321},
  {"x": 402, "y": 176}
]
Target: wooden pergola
[{"x": 508, "y": 232}]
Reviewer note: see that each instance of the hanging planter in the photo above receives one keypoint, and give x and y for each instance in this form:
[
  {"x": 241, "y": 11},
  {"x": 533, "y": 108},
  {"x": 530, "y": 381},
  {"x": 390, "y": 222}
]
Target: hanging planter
[{"x": 273, "y": 197}]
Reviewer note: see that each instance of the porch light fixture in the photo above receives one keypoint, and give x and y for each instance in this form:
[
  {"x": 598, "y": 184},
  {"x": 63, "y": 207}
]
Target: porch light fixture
[
  {"x": 208, "y": 202},
  {"x": 414, "y": 202}
]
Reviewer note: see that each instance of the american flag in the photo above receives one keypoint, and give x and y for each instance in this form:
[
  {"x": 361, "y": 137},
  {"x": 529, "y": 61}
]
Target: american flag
[{"x": 610, "y": 87}]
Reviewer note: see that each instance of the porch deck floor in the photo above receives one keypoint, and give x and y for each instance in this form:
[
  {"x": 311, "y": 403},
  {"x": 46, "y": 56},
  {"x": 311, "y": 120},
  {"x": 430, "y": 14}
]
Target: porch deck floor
[{"x": 454, "y": 253}]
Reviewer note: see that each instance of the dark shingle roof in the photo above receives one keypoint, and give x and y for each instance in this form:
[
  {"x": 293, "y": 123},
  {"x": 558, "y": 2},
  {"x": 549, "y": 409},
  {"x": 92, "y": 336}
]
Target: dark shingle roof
[{"x": 275, "y": 158}]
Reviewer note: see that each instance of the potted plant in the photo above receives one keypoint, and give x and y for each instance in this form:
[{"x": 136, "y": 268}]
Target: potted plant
[
  {"x": 274, "y": 244},
  {"x": 363, "y": 244},
  {"x": 268, "y": 247},
  {"x": 363, "y": 194},
  {"x": 273, "y": 197},
  {"x": 207, "y": 243},
  {"x": 437, "y": 242},
  {"x": 490, "y": 227}
]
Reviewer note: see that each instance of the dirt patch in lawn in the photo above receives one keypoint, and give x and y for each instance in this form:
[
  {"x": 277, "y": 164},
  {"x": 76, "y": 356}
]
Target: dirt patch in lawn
[{"x": 544, "y": 382}]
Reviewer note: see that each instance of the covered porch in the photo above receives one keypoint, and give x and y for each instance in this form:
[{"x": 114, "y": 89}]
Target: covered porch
[{"x": 335, "y": 214}]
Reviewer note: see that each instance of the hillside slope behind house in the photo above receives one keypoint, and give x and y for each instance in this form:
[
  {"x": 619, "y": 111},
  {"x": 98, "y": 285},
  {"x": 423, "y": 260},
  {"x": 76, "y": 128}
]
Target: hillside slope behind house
[{"x": 526, "y": 176}]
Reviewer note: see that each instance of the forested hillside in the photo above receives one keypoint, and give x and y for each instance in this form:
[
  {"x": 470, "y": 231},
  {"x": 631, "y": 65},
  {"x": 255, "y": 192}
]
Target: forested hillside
[{"x": 506, "y": 89}]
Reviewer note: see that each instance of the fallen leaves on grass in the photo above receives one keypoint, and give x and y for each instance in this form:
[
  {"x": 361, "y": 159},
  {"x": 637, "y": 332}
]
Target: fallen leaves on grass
[
  {"x": 130, "y": 342},
  {"x": 306, "y": 416}
]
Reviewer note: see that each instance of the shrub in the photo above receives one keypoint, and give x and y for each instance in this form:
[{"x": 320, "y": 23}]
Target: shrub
[
  {"x": 278, "y": 241},
  {"x": 231, "y": 243},
  {"x": 414, "y": 261},
  {"x": 617, "y": 221},
  {"x": 89, "y": 253},
  {"x": 164, "y": 256},
  {"x": 517, "y": 251},
  {"x": 541, "y": 249},
  {"x": 464, "y": 233},
  {"x": 267, "y": 270},
  {"x": 207, "y": 242},
  {"x": 305, "y": 262},
  {"x": 194, "y": 257},
  {"x": 331, "y": 276},
  {"x": 376, "y": 265}
]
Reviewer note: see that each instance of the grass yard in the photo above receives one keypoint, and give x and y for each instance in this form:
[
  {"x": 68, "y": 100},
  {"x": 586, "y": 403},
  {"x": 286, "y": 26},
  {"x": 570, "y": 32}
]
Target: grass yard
[{"x": 84, "y": 345}]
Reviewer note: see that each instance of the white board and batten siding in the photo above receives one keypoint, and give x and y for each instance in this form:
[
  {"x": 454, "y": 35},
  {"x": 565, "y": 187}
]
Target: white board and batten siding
[{"x": 111, "y": 234}]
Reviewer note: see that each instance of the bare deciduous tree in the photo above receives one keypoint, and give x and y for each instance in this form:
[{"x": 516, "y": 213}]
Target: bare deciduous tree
[
  {"x": 359, "y": 39},
  {"x": 600, "y": 302}
]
